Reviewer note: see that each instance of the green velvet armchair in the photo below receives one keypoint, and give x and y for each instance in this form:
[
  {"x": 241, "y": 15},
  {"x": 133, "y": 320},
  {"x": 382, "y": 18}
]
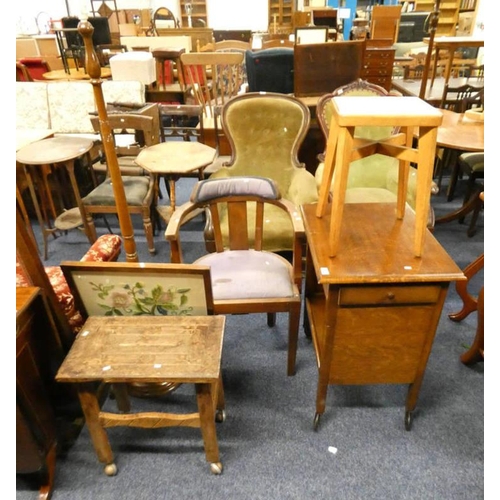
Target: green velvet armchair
[
  {"x": 265, "y": 131},
  {"x": 373, "y": 179}
]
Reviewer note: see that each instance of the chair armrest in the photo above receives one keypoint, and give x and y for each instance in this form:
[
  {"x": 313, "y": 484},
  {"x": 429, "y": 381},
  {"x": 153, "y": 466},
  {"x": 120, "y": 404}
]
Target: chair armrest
[
  {"x": 302, "y": 188},
  {"x": 173, "y": 228}
]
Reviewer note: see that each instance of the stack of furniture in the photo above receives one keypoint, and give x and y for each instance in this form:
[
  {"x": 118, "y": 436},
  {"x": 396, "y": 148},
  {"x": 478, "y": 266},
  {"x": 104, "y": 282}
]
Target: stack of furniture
[{"x": 370, "y": 262}]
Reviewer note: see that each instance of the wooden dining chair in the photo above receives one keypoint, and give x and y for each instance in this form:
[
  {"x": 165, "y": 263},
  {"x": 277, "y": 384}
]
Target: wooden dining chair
[
  {"x": 463, "y": 97},
  {"x": 139, "y": 189},
  {"x": 36, "y": 67},
  {"x": 212, "y": 78},
  {"x": 22, "y": 73},
  {"x": 458, "y": 99},
  {"x": 245, "y": 278}
]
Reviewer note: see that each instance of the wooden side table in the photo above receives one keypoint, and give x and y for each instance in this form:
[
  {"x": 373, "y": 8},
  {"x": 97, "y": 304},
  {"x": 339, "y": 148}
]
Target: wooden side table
[
  {"x": 342, "y": 148},
  {"x": 172, "y": 54},
  {"x": 130, "y": 349},
  {"x": 373, "y": 310},
  {"x": 58, "y": 151},
  {"x": 175, "y": 159}
]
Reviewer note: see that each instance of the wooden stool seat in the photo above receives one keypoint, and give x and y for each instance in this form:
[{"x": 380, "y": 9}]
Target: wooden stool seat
[
  {"x": 406, "y": 113},
  {"x": 164, "y": 54}
]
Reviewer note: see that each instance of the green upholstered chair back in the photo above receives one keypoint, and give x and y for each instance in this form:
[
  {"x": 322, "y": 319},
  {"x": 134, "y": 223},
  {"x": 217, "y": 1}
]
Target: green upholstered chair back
[
  {"x": 357, "y": 88},
  {"x": 265, "y": 131}
]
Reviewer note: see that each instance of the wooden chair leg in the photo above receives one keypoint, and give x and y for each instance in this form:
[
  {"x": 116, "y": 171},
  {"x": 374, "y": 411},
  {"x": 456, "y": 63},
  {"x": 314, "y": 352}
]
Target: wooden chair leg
[{"x": 148, "y": 230}]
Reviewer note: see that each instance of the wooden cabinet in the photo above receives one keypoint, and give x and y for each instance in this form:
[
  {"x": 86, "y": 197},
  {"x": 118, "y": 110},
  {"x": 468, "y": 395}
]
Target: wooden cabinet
[
  {"x": 378, "y": 65},
  {"x": 281, "y": 16},
  {"x": 449, "y": 14},
  {"x": 45, "y": 409},
  {"x": 199, "y": 17},
  {"x": 35, "y": 418},
  {"x": 373, "y": 309}
]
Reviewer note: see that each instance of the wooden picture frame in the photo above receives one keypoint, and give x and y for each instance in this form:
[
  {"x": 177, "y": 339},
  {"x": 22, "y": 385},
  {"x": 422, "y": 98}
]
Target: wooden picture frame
[
  {"x": 139, "y": 289},
  {"x": 311, "y": 34}
]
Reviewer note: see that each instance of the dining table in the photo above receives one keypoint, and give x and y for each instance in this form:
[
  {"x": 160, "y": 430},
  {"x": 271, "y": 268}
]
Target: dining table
[
  {"x": 73, "y": 74},
  {"x": 433, "y": 91},
  {"x": 459, "y": 133},
  {"x": 450, "y": 44}
]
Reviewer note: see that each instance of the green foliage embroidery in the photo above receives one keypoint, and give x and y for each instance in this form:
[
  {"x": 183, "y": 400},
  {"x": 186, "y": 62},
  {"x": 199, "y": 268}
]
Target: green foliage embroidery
[{"x": 136, "y": 300}]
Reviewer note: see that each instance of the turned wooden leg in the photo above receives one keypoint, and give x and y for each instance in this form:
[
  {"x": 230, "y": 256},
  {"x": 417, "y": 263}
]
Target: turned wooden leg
[
  {"x": 148, "y": 230},
  {"x": 91, "y": 410},
  {"x": 207, "y": 425}
]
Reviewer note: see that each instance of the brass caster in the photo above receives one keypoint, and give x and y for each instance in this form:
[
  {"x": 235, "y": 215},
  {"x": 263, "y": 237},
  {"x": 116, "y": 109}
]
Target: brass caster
[
  {"x": 316, "y": 421},
  {"x": 110, "y": 470},
  {"x": 220, "y": 416},
  {"x": 216, "y": 468},
  {"x": 408, "y": 420}
]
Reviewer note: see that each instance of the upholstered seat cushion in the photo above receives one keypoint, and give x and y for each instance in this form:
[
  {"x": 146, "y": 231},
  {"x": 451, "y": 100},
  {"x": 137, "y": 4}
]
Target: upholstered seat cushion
[
  {"x": 135, "y": 188},
  {"x": 106, "y": 249},
  {"x": 474, "y": 161},
  {"x": 265, "y": 274},
  {"x": 375, "y": 179}
]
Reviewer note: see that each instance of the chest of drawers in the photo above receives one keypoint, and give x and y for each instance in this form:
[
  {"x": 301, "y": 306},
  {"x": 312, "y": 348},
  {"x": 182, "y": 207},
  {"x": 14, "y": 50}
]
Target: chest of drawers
[{"x": 378, "y": 65}]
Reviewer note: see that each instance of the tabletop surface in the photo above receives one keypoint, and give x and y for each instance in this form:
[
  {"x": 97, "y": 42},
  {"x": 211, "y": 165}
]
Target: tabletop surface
[
  {"x": 175, "y": 157},
  {"x": 74, "y": 74},
  {"x": 53, "y": 150},
  {"x": 459, "y": 132},
  {"x": 146, "y": 349},
  {"x": 375, "y": 248},
  {"x": 455, "y": 41},
  {"x": 364, "y": 110},
  {"x": 433, "y": 94}
]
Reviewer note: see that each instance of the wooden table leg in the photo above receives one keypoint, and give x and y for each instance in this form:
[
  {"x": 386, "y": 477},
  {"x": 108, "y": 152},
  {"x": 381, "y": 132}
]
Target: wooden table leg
[
  {"x": 326, "y": 354},
  {"x": 416, "y": 384},
  {"x": 90, "y": 231},
  {"x": 426, "y": 149},
  {"x": 343, "y": 160},
  {"x": 98, "y": 434},
  {"x": 476, "y": 351},
  {"x": 469, "y": 302},
  {"x": 207, "y": 424},
  {"x": 45, "y": 230}
]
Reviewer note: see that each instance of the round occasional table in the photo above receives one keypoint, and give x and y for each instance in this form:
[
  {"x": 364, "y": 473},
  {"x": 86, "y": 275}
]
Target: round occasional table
[
  {"x": 74, "y": 74},
  {"x": 172, "y": 160},
  {"x": 459, "y": 134},
  {"x": 52, "y": 153}
]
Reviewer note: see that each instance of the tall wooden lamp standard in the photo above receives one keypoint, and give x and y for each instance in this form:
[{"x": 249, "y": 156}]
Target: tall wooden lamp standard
[
  {"x": 94, "y": 71},
  {"x": 433, "y": 22}
]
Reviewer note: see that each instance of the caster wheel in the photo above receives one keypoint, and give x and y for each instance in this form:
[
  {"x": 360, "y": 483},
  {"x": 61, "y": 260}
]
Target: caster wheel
[
  {"x": 110, "y": 470},
  {"x": 316, "y": 421},
  {"x": 408, "y": 420},
  {"x": 220, "y": 416},
  {"x": 216, "y": 468}
]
